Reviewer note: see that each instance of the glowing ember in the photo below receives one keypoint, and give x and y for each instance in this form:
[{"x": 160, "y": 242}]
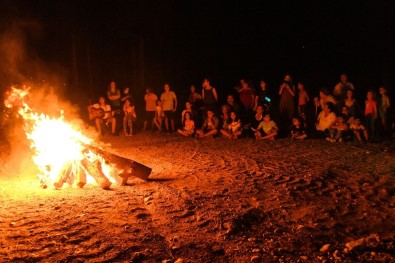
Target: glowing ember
[{"x": 58, "y": 148}]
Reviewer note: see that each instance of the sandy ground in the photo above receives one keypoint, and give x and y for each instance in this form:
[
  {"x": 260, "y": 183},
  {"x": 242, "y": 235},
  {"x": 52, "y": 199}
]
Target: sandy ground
[{"x": 211, "y": 200}]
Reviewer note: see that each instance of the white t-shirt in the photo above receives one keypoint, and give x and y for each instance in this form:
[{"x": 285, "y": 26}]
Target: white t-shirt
[
  {"x": 168, "y": 99},
  {"x": 325, "y": 122},
  {"x": 107, "y": 110}
]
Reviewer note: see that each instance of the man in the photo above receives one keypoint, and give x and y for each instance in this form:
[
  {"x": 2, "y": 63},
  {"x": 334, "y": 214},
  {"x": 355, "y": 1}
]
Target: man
[
  {"x": 102, "y": 115},
  {"x": 169, "y": 106}
]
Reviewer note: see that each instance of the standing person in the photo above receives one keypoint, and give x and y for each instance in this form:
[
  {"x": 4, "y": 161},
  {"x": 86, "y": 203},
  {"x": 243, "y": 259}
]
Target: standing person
[
  {"x": 195, "y": 98},
  {"x": 383, "y": 109},
  {"x": 150, "y": 99},
  {"x": 371, "y": 113},
  {"x": 263, "y": 97},
  {"x": 247, "y": 99},
  {"x": 209, "y": 96},
  {"x": 287, "y": 105},
  {"x": 126, "y": 94},
  {"x": 169, "y": 106},
  {"x": 303, "y": 99},
  {"x": 102, "y": 115},
  {"x": 114, "y": 95},
  {"x": 352, "y": 104}
]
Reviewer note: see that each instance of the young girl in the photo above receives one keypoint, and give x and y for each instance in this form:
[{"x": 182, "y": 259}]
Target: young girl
[
  {"x": 298, "y": 131},
  {"x": 188, "y": 125},
  {"x": 129, "y": 118},
  {"x": 359, "y": 130},
  {"x": 267, "y": 129},
  {"x": 233, "y": 130},
  {"x": 188, "y": 108},
  {"x": 210, "y": 125},
  {"x": 159, "y": 114},
  {"x": 370, "y": 113},
  {"x": 383, "y": 107},
  {"x": 337, "y": 130}
]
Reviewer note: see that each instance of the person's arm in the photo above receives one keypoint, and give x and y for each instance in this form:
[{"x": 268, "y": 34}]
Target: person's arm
[
  {"x": 282, "y": 86},
  {"x": 291, "y": 90},
  {"x": 256, "y": 102},
  {"x": 388, "y": 102},
  {"x": 307, "y": 96},
  {"x": 114, "y": 97},
  {"x": 215, "y": 94},
  {"x": 375, "y": 110},
  {"x": 203, "y": 94}
]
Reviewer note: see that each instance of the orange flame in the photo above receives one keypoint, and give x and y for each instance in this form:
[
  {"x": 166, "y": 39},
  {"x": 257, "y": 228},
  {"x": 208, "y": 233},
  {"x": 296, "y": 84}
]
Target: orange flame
[{"x": 58, "y": 148}]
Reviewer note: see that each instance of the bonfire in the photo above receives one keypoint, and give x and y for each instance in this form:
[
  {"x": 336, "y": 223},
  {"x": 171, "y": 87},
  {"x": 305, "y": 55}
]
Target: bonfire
[{"x": 63, "y": 154}]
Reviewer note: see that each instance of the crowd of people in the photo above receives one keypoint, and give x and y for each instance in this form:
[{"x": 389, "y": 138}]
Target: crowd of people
[{"x": 334, "y": 115}]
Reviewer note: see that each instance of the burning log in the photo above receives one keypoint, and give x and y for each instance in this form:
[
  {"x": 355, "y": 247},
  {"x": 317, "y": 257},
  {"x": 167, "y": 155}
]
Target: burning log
[
  {"x": 94, "y": 168},
  {"x": 125, "y": 166}
]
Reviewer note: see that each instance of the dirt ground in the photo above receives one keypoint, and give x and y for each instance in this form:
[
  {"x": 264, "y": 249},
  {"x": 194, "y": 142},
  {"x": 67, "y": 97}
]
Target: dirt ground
[{"x": 211, "y": 200}]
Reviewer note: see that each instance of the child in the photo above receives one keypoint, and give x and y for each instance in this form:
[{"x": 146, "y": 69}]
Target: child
[
  {"x": 359, "y": 130},
  {"x": 188, "y": 125},
  {"x": 337, "y": 130},
  {"x": 267, "y": 129},
  {"x": 159, "y": 114},
  {"x": 370, "y": 113},
  {"x": 233, "y": 129},
  {"x": 210, "y": 126},
  {"x": 129, "y": 118},
  {"x": 298, "y": 131}
]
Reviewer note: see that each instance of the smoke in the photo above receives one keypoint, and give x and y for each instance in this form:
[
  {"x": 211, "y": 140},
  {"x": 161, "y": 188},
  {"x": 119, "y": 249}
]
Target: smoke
[{"x": 21, "y": 67}]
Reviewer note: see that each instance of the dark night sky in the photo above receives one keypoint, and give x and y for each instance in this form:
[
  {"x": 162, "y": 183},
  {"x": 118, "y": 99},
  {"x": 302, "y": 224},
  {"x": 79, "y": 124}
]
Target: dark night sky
[{"x": 185, "y": 41}]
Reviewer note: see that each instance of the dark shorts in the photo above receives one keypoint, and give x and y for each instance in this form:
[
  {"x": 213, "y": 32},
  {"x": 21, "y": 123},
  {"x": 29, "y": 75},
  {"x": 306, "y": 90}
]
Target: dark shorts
[
  {"x": 169, "y": 114},
  {"x": 149, "y": 115}
]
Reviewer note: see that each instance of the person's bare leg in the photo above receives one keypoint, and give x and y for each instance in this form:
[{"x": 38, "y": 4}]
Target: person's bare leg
[
  {"x": 113, "y": 125},
  {"x": 167, "y": 123},
  {"x": 172, "y": 125}
]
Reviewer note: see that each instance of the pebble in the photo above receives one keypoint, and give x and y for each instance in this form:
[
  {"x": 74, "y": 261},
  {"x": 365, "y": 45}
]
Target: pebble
[
  {"x": 256, "y": 250},
  {"x": 12, "y": 223},
  {"x": 254, "y": 258},
  {"x": 325, "y": 247},
  {"x": 304, "y": 257},
  {"x": 179, "y": 260}
]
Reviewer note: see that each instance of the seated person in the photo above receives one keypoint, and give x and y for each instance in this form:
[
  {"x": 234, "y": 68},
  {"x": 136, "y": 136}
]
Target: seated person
[
  {"x": 188, "y": 125},
  {"x": 267, "y": 129},
  {"x": 102, "y": 115},
  {"x": 188, "y": 108},
  {"x": 325, "y": 120},
  {"x": 359, "y": 130},
  {"x": 298, "y": 131},
  {"x": 210, "y": 126},
  {"x": 337, "y": 130},
  {"x": 233, "y": 129}
]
